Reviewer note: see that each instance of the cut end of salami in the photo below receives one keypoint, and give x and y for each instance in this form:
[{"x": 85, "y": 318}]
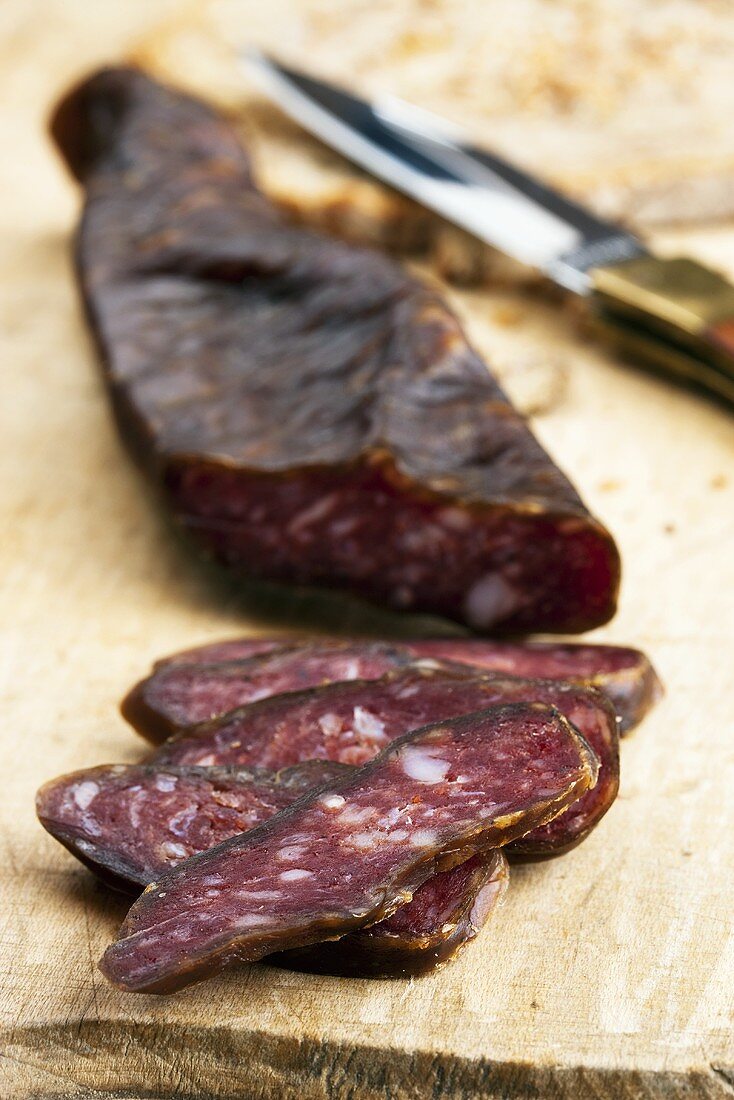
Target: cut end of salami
[
  {"x": 312, "y": 413},
  {"x": 347, "y": 856},
  {"x": 445, "y": 914}
]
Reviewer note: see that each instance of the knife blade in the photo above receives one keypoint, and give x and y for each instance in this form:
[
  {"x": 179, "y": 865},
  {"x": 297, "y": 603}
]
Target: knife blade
[{"x": 676, "y": 316}]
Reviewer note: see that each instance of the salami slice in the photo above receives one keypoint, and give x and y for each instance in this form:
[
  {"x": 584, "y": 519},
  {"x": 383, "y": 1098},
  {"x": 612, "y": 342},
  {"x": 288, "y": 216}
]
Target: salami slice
[
  {"x": 351, "y": 722},
  {"x": 346, "y": 856},
  {"x": 624, "y": 674},
  {"x": 129, "y": 824},
  {"x": 445, "y": 914},
  {"x": 313, "y": 414},
  {"x": 178, "y": 695}
]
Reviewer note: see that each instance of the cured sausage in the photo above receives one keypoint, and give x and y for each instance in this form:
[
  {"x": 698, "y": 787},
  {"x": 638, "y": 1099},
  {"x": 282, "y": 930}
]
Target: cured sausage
[
  {"x": 446, "y": 912},
  {"x": 178, "y": 695},
  {"x": 131, "y": 823},
  {"x": 624, "y": 674},
  {"x": 350, "y": 722},
  {"x": 348, "y": 855},
  {"x": 313, "y": 414}
]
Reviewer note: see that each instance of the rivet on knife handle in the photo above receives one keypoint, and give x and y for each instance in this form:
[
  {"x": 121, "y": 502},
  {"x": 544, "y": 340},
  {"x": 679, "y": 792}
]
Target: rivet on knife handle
[{"x": 676, "y": 314}]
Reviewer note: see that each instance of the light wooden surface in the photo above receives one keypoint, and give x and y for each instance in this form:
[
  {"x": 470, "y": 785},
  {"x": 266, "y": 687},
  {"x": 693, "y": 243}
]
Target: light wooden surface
[{"x": 608, "y": 973}]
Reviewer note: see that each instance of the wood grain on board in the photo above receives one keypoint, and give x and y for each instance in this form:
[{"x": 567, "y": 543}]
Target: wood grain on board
[{"x": 608, "y": 973}]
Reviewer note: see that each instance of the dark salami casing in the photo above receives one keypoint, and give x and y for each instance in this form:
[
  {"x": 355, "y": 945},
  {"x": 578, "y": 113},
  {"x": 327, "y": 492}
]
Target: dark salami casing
[
  {"x": 132, "y": 823},
  {"x": 350, "y": 722},
  {"x": 314, "y": 414},
  {"x": 344, "y": 857},
  {"x": 178, "y": 695},
  {"x": 445, "y": 914}
]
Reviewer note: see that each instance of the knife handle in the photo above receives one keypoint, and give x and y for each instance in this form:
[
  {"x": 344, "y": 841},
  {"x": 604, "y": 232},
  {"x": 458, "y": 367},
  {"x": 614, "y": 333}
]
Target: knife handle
[{"x": 675, "y": 314}]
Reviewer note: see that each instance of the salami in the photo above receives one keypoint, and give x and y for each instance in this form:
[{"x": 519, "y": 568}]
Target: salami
[
  {"x": 312, "y": 413},
  {"x": 624, "y": 674},
  {"x": 129, "y": 824},
  {"x": 446, "y": 912},
  {"x": 351, "y": 722},
  {"x": 180, "y": 695},
  {"x": 348, "y": 855}
]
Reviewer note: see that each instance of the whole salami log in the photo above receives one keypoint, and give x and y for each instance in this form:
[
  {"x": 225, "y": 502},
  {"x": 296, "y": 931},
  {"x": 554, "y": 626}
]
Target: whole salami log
[
  {"x": 347, "y": 856},
  {"x": 132, "y": 823},
  {"x": 624, "y": 674},
  {"x": 175, "y": 696},
  {"x": 446, "y": 913},
  {"x": 129, "y": 823},
  {"x": 350, "y": 723},
  {"x": 313, "y": 413}
]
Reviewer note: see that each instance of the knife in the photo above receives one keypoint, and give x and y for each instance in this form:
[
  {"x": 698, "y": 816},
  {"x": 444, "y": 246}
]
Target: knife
[{"x": 673, "y": 315}]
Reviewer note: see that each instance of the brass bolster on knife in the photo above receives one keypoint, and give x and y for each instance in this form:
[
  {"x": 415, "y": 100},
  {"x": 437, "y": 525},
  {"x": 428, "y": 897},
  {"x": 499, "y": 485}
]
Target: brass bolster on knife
[{"x": 676, "y": 314}]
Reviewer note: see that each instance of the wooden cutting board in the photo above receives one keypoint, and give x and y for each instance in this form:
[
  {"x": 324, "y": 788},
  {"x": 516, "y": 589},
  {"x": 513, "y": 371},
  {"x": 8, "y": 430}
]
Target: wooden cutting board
[{"x": 607, "y": 974}]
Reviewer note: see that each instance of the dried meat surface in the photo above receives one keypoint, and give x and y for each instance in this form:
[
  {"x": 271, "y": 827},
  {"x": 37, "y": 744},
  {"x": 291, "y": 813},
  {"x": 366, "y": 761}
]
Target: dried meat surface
[
  {"x": 351, "y": 722},
  {"x": 131, "y": 823},
  {"x": 313, "y": 414},
  {"x": 621, "y": 672},
  {"x": 348, "y": 855}
]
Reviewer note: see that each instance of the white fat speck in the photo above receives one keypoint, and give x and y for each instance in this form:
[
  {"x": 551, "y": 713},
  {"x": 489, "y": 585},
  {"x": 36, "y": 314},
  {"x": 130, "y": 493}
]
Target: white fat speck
[
  {"x": 180, "y": 822},
  {"x": 489, "y": 600},
  {"x": 257, "y": 895},
  {"x": 118, "y": 769},
  {"x": 212, "y": 880},
  {"x": 368, "y": 725},
  {"x": 251, "y": 919},
  {"x": 316, "y": 511},
  {"x": 294, "y": 875},
  {"x": 171, "y": 850},
  {"x": 84, "y": 846},
  {"x": 423, "y": 838},
  {"x": 407, "y": 691},
  {"x": 213, "y": 893},
  {"x": 357, "y": 817},
  {"x": 91, "y": 824},
  {"x": 85, "y": 792},
  {"x": 134, "y": 810},
  {"x": 290, "y": 852},
  {"x": 329, "y": 724},
  {"x": 332, "y": 801},
  {"x": 455, "y": 519},
  {"x": 206, "y": 761},
  {"x": 363, "y": 841},
  {"x": 166, "y": 782},
  {"x": 398, "y": 835},
  {"x": 419, "y": 764},
  {"x": 351, "y": 671},
  {"x": 427, "y": 662}
]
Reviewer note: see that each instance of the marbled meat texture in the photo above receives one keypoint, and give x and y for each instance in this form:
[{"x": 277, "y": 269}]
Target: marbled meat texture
[
  {"x": 314, "y": 414},
  {"x": 132, "y": 823},
  {"x": 175, "y": 696},
  {"x": 346, "y": 856},
  {"x": 446, "y": 913},
  {"x": 351, "y": 722},
  {"x": 624, "y": 674}
]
